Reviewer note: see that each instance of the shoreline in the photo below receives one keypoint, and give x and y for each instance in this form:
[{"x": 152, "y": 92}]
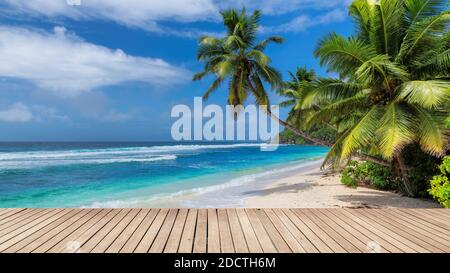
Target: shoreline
[{"x": 312, "y": 188}]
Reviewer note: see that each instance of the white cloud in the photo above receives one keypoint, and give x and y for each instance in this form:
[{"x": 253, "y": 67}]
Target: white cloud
[
  {"x": 303, "y": 22},
  {"x": 114, "y": 116},
  {"x": 136, "y": 13},
  {"x": 45, "y": 113},
  {"x": 18, "y": 112},
  {"x": 152, "y": 14},
  {"x": 69, "y": 66},
  {"x": 277, "y": 7}
]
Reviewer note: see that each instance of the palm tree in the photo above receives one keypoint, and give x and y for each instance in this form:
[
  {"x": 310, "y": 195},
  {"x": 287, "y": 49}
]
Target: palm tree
[
  {"x": 238, "y": 58},
  {"x": 294, "y": 91},
  {"x": 394, "y": 74}
]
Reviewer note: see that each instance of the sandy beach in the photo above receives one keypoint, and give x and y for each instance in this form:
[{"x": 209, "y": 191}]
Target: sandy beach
[{"x": 312, "y": 188}]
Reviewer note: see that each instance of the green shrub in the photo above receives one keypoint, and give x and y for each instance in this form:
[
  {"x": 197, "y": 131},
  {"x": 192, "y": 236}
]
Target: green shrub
[
  {"x": 348, "y": 181},
  {"x": 368, "y": 173},
  {"x": 440, "y": 184}
]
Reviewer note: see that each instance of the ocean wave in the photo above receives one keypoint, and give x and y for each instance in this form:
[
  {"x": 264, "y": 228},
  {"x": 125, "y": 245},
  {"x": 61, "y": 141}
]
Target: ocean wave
[
  {"x": 235, "y": 182},
  {"x": 9, "y": 165},
  {"x": 119, "y": 151}
]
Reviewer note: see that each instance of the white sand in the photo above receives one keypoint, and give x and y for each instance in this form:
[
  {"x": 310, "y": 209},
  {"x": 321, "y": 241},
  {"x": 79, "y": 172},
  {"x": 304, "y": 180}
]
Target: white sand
[{"x": 313, "y": 189}]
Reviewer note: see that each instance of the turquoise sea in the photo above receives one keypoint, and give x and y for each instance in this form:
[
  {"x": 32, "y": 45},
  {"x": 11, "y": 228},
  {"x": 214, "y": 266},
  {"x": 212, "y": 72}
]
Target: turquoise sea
[{"x": 142, "y": 174}]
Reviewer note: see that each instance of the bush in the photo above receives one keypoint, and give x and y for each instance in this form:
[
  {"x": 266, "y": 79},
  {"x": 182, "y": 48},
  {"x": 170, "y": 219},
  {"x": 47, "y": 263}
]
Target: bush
[
  {"x": 368, "y": 173},
  {"x": 440, "y": 185},
  {"x": 348, "y": 181}
]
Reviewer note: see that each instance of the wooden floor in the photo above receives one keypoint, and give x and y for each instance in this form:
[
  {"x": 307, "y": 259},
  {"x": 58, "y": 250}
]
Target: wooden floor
[{"x": 224, "y": 230}]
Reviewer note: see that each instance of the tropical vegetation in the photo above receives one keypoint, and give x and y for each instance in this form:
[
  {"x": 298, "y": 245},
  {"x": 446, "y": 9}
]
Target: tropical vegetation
[
  {"x": 389, "y": 101},
  {"x": 440, "y": 184}
]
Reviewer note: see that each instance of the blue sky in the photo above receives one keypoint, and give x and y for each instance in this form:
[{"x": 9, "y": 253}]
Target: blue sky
[{"x": 111, "y": 70}]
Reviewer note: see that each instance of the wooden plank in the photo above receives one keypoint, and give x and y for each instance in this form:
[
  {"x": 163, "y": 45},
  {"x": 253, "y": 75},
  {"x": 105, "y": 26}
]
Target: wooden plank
[
  {"x": 431, "y": 218},
  {"x": 261, "y": 234},
  {"x": 147, "y": 241},
  {"x": 104, "y": 244},
  {"x": 364, "y": 238},
  {"x": 20, "y": 220},
  {"x": 15, "y": 230},
  {"x": 140, "y": 232},
  {"x": 41, "y": 233},
  {"x": 391, "y": 231},
  {"x": 395, "y": 239},
  {"x": 89, "y": 241},
  {"x": 213, "y": 232},
  {"x": 226, "y": 241},
  {"x": 128, "y": 232},
  {"x": 173, "y": 242},
  {"x": 187, "y": 238},
  {"x": 347, "y": 241},
  {"x": 20, "y": 234},
  {"x": 201, "y": 232},
  {"x": 237, "y": 235},
  {"x": 59, "y": 233},
  {"x": 422, "y": 222},
  {"x": 62, "y": 239},
  {"x": 329, "y": 241},
  {"x": 293, "y": 244},
  {"x": 376, "y": 238},
  {"x": 409, "y": 234},
  {"x": 72, "y": 242},
  {"x": 426, "y": 235},
  {"x": 224, "y": 230},
  {"x": 435, "y": 213},
  {"x": 274, "y": 235},
  {"x": 312, "y": 237},
  {"x": 12, "y": 216},
  {"x": 8, "y": 213},
  {"x": 249, "y": 233},
  {"x": 163, "y": 235},
  {"x": 298, "y": 235}
]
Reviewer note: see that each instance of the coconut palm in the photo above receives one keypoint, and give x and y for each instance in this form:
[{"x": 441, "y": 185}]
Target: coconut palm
[
  {"x": 294, "y": 91},
  {"x": 239, "y": 59},
  {"x": 394, "y": 73}
]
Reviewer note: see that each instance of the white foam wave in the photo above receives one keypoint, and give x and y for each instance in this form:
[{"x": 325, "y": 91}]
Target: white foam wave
[
  {"x": 34, "y": 164},
  {"x": 118, "y": 151},
  {"x": 235, "y": 182}
]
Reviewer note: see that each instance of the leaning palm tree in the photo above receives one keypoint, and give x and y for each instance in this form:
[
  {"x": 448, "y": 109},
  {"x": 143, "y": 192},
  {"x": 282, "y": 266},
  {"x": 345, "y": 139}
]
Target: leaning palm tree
[
  {"x": 394, "y": 73},
  {"x": 238, "y": 58},
  {"x": 294, "y": 92}
]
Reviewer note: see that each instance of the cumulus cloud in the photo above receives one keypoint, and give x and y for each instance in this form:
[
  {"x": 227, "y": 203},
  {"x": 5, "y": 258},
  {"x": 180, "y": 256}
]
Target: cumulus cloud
[
  {"x": 277, "y": 7},
  {"x": 18, "y": 112},
  {"x": 68, "y": 66},
  {"x": 303, "y": 22},
  {"x": 152, "y": 14},
  {"x": 136, "y": 13}
]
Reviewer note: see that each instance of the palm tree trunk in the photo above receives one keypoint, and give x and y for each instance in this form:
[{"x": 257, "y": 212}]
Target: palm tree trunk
[{"x": 403, "y": 171}]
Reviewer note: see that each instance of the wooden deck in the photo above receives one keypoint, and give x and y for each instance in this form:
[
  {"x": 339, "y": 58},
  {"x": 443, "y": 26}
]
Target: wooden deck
[{"x": 224, "y": 230}]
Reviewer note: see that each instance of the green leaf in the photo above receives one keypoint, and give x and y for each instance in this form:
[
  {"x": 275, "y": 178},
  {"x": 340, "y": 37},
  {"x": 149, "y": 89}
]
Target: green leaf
[{"x": 428, "y": 94}]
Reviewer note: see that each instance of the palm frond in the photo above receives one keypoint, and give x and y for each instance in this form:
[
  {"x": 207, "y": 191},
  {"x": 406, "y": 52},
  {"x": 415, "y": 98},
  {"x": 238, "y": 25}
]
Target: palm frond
[
  {"x": 343, "y": 55},
  {"x": 362, "y": 134},
  {"x": 395, "y": 130},
  {"x": 387, "y": 28},
  {"x": 427, "y": 94},
  {"x": 423, "y": 35},
  {"x": 263, "y": 44},
  {"x": 433, "y": 136}
]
